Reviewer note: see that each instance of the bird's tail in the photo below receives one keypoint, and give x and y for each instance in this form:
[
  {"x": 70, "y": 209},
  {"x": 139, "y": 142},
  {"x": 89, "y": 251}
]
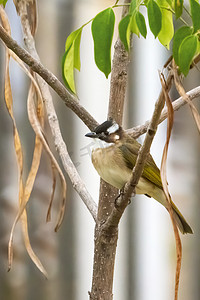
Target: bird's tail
[{"x": 182, "y": 224}]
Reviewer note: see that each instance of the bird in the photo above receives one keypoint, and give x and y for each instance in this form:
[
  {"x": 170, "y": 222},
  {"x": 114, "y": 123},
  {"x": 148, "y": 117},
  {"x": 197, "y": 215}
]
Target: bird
[{"x": 114, "y": 156}]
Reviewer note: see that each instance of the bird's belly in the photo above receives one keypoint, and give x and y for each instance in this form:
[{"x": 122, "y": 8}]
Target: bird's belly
[{"x": 115, "y": 177}]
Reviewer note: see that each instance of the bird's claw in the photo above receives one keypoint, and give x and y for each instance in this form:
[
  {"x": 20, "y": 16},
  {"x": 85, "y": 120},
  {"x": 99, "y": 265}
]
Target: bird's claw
[{"x": 121, "y": 194}]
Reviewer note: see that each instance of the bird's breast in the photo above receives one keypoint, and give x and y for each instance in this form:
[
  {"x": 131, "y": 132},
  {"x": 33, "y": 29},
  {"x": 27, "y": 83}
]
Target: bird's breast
[{"x": 111, "y": 166}]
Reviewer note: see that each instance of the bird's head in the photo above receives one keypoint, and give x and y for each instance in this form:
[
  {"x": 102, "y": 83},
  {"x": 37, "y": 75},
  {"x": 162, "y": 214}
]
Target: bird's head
[{"x": 109, "y": 132}]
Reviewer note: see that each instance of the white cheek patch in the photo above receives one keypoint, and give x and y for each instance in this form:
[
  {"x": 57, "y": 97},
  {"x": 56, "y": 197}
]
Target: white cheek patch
[
  {"x": 113, "y": 128},
  {"x": 117, "y": 137}
]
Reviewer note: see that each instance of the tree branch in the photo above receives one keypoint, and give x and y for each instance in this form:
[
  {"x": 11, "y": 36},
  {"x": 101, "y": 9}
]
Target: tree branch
[
  {"x": 70, "y": 100},
  {"x": 135, "y": 132},
  {"x": 106, "y": 240}
]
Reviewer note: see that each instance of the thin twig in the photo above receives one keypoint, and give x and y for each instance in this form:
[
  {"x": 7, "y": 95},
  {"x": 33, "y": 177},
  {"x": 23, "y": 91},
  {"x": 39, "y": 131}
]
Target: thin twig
[{"x": 177, "y": 104}]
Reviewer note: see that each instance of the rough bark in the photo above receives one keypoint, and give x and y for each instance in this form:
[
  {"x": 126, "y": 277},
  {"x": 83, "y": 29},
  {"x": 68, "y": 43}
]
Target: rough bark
[{"x": 106, "y": 239}]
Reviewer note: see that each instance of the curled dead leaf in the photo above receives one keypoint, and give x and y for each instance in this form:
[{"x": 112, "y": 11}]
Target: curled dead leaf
[{"x": 163, "y": 174}]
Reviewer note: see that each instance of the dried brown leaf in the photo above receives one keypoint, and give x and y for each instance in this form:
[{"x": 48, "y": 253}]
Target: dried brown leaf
[
  {"x": 29, "y": 249},
  {"x": 24, "y": 196},
  {"x": 39, "y": 132},
  {"x": 165, "y": 185},
  {"x": 17, "y": 145},
  {"x": 30, "y": 182},
  {"x": 24, "y": 192},
  {"x": 4, "y": 20},
  {"x": 48, "y": 217},
  {"x": 35, "y": 123}
]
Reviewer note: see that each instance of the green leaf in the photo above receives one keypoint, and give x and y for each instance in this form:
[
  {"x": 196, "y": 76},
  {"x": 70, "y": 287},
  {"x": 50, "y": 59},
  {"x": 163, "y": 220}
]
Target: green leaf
[
  {"x": 3, "y": 2},
  {"x": 71, "y": 58},
  {"x": 170, "y": 2},
  {"x": 140, "y": 21},
  {"x": 133, "y": 26},
  {"x": 77, "y": 62},
  {"x": 186, "y": 53},
  {"x": 123, "y": 25},
  {"x": 179, "y": 36},
  {"x": 195, "y": 12},
  {"x": 75, "y": 38},
  {"x": 198, "y": 48},
  {"x": 102, "y": 32},
  {"x": 71, "y": 38},
  {"x": 167, "y": 30},
  {"x": 178, "y": 6},
  {"x": 154, "y": 17},
  {"x": 68, "y": 69}
]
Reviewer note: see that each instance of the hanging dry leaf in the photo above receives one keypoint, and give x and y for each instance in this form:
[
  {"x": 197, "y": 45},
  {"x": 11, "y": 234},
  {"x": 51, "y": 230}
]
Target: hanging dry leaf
[
  {"x": 24, "y": 192},
  {"x": 35, "y": 123},
  {"x": 17, "y": 142},
  {"x": 163, "y": 174},
  {"x": 48, "y": 217},
  {"x": 39, "y": 132},
  {"x": 37, "y": 128},
  {"x": 31, "y": 179}
]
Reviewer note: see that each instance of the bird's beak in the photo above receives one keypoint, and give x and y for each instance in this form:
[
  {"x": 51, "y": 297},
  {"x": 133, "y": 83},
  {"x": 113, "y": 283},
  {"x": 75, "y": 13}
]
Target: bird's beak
[{"x": 91, "y": 135}]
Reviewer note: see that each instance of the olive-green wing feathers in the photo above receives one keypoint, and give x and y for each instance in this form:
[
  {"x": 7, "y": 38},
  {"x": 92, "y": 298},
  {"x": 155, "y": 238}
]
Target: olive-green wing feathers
[{"x": 150, "y": 172}]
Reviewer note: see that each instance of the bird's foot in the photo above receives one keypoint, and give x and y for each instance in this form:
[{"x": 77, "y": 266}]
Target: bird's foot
[
  {"x": 121, "y": 194},
  {"x": 116, "y": 201}
]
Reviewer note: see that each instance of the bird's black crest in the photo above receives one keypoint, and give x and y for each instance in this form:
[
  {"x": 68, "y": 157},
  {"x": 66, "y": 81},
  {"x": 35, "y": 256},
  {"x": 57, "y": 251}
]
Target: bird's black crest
[{"x": 104, "y": 126}]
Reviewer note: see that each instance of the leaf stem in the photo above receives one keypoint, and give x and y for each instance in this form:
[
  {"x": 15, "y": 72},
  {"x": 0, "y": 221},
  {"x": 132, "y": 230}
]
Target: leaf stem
[
  {"x": 187, "y": 11},
  {"x": 183, "y": 21},
  {"x": 120, "y": 5},
  {"x": 173, "y": 12}
]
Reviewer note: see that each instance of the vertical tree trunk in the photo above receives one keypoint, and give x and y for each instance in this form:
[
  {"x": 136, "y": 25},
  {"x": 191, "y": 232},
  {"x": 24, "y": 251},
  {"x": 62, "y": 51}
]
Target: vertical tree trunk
[{"x": 106, "y": 240}]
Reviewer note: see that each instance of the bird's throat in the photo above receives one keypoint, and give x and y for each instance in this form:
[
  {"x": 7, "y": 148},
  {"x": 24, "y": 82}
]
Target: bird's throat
[{"x": 97, "y": 143}]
